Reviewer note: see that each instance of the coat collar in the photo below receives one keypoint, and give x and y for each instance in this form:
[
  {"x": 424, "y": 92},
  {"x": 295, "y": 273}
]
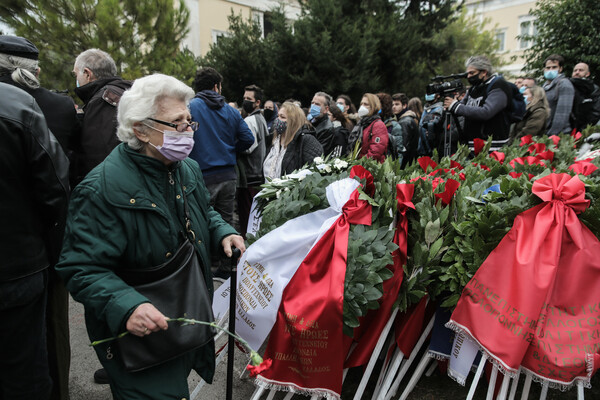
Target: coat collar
[{"x": 131, "y": 179}]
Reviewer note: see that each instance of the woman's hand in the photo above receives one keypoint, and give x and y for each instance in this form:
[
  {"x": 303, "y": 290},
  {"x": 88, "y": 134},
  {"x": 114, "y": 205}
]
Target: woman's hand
[
  {"x": 233, "y": 240},
  {"x": 146, "y": 319}
]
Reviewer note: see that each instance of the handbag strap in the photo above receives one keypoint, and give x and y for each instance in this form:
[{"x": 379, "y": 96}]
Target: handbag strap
[{"x": 186, "y": 213}]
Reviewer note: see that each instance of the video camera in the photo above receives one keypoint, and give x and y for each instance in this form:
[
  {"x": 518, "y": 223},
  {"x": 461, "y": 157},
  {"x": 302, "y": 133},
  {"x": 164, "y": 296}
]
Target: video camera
[{"x": 453, "y": 84}]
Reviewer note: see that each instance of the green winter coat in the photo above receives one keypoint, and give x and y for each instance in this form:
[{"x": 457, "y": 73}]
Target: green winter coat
[{"x": 127, "y": 213}]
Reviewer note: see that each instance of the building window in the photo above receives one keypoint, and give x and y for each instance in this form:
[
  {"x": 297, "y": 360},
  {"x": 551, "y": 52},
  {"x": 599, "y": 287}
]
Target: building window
[
  {"x": 217, "y": 34},
  {"x": 526, "y": 28},
  {"x": 259, "y": 18},
  {"x": 501, "y": 39}
]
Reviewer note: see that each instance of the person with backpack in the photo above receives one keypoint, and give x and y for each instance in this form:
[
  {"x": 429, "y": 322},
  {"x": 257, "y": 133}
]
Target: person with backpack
[
  {"x": 431, "y": 125},
  {"x": 395, "y": 133},
  {"x": 409, "y": 124},
  {"x": 370, "y": 130},
  {"x": 586, "y": 103},
  {"x": 560, "y": 94},
  {"x": 487, "y": 105},
  {"x": 536, "y": 116}
]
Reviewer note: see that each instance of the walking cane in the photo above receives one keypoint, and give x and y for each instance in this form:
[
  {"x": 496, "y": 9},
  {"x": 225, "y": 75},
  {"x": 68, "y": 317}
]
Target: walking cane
[{"x": 231, "y": 345}]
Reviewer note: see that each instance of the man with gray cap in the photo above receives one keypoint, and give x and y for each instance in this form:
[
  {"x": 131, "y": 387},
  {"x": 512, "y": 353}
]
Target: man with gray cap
[
  {"x": 19, "y": 68},
  {"x": 100, "y": 89},
  {"x": 485, "y": 106}
]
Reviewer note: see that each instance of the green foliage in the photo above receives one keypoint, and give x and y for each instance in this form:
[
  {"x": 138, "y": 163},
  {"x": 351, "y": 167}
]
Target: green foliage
[
  {"x": 347, "y": 46},
  {"x": 570, "y": 28},
  {"x": 468, "y": 36},
  {"x": 446, "y": 245},
  {"x": 369, "y": 247},
  {"x": 142, "y": 36}
]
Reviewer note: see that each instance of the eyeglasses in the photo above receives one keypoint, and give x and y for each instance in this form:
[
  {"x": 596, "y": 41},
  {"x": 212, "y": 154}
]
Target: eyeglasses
[{"x": 180, "y": 127}]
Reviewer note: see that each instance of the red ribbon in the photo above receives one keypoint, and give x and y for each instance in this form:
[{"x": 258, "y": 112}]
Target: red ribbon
[
  {"x": 537, "y": 148},
  {"x": 533, "y": 302},
  {"x": 449, "y": 189},
  {"x": 498, "y": 156},
  {"x": 527, "y": 139},
  {"x": 426, "y": 162},
  {"x": 454, "y": 164},
  {"x": 531, "y": 160},
  {"x": 305, "y": 342},
  {"x": 478, "y": 145},
  {"x": 372, "y": 325},
  {"x": 583, "y": 167}
]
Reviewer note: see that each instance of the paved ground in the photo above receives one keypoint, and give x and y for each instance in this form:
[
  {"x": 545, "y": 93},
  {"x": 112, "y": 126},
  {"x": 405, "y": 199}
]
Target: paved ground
[
  {"x": 84, "y": 362},
  {"x": 436, "y": 387}
]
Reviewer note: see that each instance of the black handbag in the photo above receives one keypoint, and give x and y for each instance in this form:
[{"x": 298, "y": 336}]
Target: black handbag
[{"x": 177, "y": 289}]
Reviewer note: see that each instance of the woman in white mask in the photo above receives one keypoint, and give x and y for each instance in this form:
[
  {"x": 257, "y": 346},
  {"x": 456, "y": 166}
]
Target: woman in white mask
[{"x": 371, "y": 130}]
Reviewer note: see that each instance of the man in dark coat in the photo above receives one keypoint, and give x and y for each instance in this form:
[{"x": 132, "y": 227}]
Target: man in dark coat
[
  {"x": 19, "y": 67},
  {"x": 319, "y": 106},
  {"x": 250, "y": 161},
  {"x": 100, "y": 89},
  {"x": 34, "y": 184},
  {"x": 485, "y": 105}
]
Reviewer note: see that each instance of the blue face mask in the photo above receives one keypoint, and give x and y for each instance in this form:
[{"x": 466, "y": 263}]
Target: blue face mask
[
  {"x": 429, "y": 97},
  {"x": 526, "y": 99},
  {"x": 341, "y": 107},
  {"x": 76, "y": 82},
  {"x": 522, "y": 89},
  {"x": 551, "y": 74},
  {"x": 315, "y": 111}
]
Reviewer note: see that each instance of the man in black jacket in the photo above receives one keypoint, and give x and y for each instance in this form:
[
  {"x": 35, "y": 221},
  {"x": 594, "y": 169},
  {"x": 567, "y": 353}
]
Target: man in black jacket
[
  {"x": 410, "y": 127},
  {"x": 100, "y": 89},
  {"x": 19, "y": 67},
  {"x": 320, "y": 120},
  {"x": 250, "y": 161},
  {"x": 485, "y": 106},
  {"x": 586, "y": 104},
  {"x": 34, "y": 184}
]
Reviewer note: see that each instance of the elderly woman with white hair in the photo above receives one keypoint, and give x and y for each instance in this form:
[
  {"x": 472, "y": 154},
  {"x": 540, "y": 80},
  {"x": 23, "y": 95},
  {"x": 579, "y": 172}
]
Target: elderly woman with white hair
[{"x": 131, "y": 213}]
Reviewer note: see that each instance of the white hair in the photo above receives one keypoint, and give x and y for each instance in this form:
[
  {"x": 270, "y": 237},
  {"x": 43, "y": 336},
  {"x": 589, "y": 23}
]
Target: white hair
[
  {"x": 142, "y": 102},
  {"x": 481, "y": 63},
  {"x": 97, "y": 61},
  {"x": 22, "y": 70}
]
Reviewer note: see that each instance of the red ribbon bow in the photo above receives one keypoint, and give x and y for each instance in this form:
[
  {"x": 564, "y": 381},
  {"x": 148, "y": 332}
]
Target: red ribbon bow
[
  {"x": 583, "y": 167},
  {"x": 564, "y": 188}
]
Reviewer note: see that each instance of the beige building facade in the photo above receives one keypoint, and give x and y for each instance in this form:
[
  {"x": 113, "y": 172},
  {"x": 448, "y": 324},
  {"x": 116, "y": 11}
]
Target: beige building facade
[
  {"x": 208, "y": 18},
  {"x": 509, "y": 19}
]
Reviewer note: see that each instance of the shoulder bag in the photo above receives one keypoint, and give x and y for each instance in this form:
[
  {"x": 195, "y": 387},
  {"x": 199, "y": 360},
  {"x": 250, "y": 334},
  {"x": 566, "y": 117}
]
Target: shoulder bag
[{"x": 177, "y": 289}]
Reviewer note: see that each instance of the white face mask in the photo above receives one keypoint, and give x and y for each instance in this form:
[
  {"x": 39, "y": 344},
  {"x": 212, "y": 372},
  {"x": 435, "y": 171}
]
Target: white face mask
[{"x": 362, "y": 111}]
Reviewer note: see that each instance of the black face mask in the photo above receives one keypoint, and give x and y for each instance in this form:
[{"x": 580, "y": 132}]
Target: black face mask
[
  {"x": 248, "y": 106},
  {"x": 268, "y": 113},
  {"x": 474, "y": 80}
]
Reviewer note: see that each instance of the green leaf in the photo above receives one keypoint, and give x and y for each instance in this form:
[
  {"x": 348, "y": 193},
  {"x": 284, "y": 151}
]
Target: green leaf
[
  {"x": 475, "y": 200},
  {"x": 451, "y": 301},
  {"x": 365, "y": 259},
  {"x": 366, "y": 197},
  {"x": 432, "y": 231},
  {"x": 435, "y": 248},
  {"x": 373, "y": 294}
]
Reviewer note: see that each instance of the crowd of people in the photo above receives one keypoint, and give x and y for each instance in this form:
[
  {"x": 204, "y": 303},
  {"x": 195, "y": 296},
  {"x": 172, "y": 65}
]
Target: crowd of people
[{"x": 142, "y": 167}]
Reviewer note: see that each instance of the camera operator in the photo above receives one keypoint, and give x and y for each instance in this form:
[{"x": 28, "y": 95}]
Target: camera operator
[{"x": 485, "y": 105}]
